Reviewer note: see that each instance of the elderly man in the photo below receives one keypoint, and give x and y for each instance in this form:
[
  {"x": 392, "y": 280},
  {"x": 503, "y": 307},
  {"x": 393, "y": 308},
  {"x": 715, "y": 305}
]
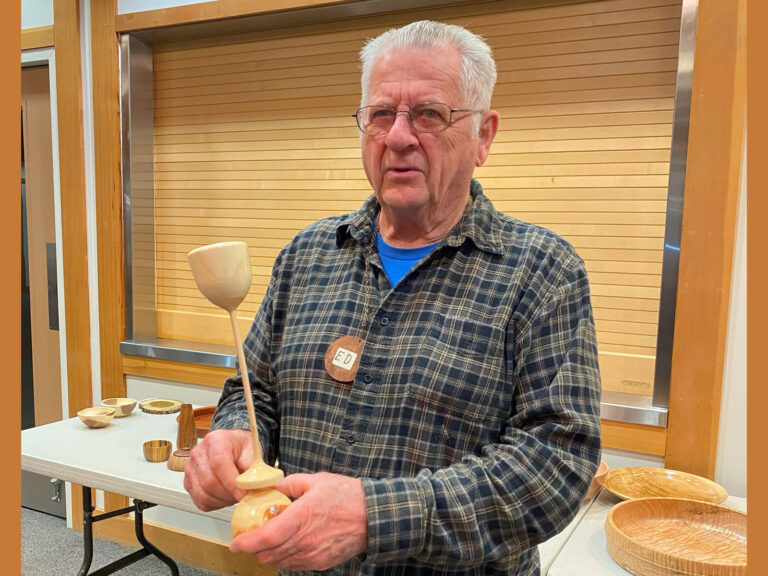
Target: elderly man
[{"x": 459, "y": 426}]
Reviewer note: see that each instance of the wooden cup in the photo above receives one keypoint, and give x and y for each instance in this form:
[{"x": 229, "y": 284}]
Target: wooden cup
[{"x": 157, "y": 450}]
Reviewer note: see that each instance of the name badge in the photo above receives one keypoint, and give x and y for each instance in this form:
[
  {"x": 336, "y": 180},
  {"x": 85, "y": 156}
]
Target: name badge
[{"x": 342, "y": 358}]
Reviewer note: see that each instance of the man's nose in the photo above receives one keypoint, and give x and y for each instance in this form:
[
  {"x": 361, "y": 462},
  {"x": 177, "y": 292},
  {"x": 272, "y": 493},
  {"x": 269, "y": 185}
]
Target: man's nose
[{"x": 401, "y": 135}]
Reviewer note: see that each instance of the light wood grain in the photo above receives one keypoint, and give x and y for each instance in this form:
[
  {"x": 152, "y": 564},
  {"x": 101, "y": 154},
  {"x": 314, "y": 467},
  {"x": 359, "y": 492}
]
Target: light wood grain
[
  {"x": 668, "y": 536},
  {"x": 716, "y": 138},
  {"x": 123, "y": 406},
  {"x": 208, "y": 11},
  {"x": 38, "y": 37},
  {"x": 72, "y": 184},
  {"x": 212, "y": 376},
  {"x": 107, "y": 156},
  {"x": 633, "y": 437},
  {"x": 642, "y": 482}
]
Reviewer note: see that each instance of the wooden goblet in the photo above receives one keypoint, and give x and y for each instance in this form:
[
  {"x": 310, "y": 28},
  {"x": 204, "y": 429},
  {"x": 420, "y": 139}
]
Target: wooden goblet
[{"x": 223, "y": 274}]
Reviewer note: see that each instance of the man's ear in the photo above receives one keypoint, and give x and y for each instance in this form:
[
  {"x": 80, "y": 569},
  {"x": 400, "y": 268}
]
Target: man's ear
[{"x": 488, "y": 129}]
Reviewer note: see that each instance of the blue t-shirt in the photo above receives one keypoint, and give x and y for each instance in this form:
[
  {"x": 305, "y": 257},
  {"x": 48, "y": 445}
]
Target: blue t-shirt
[{"x": 397, "y": 261}]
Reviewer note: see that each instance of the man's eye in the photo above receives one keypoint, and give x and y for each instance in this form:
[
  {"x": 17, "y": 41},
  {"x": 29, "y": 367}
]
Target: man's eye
[
  {"x": 429, "y": 113},
  {"x": 381, "y": 113}
]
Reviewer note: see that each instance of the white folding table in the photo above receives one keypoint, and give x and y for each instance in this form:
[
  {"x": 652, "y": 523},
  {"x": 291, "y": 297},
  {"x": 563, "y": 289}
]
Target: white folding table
[{"x": 112, "y": 459}]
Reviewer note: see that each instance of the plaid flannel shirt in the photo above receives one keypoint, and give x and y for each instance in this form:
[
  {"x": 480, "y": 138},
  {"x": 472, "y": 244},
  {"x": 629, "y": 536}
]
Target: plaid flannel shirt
[{"x": 473, "y": 420}]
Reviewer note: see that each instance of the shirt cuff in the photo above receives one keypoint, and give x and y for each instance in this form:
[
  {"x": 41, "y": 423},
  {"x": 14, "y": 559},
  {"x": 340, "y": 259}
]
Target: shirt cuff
[{"x": 397, "y": 518}]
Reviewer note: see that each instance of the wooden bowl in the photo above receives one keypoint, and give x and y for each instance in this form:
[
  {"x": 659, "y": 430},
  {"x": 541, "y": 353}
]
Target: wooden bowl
[
  {"x": 641, "y": 482},
  {"x": 122, "y": 406},
  {"x": 203, "y": 418},
  {"x": 160, "y": 406},
  {"x": 597, "y": 481},
  {"x": 157, "y": 450},
  {"x": 672, "y": 536},
  {"x": 96, "y": 416}
]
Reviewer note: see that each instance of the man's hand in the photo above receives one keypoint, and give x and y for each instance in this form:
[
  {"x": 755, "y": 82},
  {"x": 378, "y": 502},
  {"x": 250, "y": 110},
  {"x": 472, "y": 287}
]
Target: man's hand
[
  {"x": 213, "y": 466},
  {"x": 325, "y": 525}
]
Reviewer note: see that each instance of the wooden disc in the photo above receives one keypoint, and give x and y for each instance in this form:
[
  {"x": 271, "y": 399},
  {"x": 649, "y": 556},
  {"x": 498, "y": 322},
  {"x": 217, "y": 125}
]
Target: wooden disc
[
  {"x": 343, "y": 358},
  {"x": 159, "y": 406}
]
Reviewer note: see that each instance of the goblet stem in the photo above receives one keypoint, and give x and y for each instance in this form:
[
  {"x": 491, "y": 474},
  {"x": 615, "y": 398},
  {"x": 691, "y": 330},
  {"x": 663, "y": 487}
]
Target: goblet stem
[{"x": 258, "y": 455}]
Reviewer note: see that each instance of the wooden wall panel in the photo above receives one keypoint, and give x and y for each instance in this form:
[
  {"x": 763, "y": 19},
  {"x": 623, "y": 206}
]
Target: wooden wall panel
[{"x": 585, "y": 92}]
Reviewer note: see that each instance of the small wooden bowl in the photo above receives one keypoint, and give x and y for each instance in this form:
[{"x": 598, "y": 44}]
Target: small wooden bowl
[
  {"x": 122, "y": 406},
  {"x": 597, "y": 481},
  {"x": 670, "y": 536},
  {"x": 96, "y": 416},
  {"x": 157, "y": 450}
]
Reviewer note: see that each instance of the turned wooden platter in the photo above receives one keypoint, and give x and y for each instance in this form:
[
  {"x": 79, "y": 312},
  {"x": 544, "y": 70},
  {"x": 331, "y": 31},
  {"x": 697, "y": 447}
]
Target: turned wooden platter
[
  {"x": 673, "y": 536},
  {"x": 160, "y": 406},
  {"x": 641, "y": 482},
  {"x": 203, "y": 418}
]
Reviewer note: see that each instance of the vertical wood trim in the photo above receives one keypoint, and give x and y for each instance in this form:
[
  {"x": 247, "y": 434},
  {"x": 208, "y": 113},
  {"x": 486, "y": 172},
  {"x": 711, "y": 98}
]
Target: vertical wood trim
[
  {"x": 69, "y": 106},
  {"x": 106, "y": 127},
  {"x": 73, "y": 222},
  {"x": 106, "y": 123},
  {"x": 718, "y": 106}
]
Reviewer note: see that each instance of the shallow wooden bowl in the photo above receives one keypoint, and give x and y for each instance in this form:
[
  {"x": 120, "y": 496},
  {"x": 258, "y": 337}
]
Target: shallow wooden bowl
[
  {"x": 157, "y": 450},
  {"x": 203, "y": 418},
  {"x": 96, "y": 416},
  {"x": 597, "y": 480},
  {"x": 641, "y": 482},
  {"x": 672, "y": 536},
  {"x": 122, "y": 406},
  {"x": 160, "y": 406}
]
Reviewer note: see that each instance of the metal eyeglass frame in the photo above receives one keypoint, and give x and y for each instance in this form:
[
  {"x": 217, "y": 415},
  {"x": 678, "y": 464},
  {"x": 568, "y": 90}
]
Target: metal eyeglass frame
[{"x": 407, "y": 111}]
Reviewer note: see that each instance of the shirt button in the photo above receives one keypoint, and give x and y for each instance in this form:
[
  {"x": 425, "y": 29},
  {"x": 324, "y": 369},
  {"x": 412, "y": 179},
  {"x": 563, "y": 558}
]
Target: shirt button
[
  {"x": 384, "y": 321},
  {"x": 367, "y": 378},
  {"x": 351, "y": 439}
]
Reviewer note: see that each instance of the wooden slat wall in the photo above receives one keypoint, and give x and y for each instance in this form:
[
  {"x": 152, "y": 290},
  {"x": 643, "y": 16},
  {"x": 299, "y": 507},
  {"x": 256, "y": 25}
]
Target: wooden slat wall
[{"x": 254, "y": 141}]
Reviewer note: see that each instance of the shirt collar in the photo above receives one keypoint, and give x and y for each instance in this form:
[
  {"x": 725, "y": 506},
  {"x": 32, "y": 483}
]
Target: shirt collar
[{"x": 477, "y": 224}]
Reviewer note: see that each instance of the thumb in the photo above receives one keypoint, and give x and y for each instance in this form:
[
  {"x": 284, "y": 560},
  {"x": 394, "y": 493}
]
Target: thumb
[{"x": 294, "y": 486}]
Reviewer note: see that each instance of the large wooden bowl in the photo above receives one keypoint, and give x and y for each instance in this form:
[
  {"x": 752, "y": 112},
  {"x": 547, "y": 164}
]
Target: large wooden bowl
[
  {"x": 672, "y": 536},
  {"x": 642, "y": 482}
]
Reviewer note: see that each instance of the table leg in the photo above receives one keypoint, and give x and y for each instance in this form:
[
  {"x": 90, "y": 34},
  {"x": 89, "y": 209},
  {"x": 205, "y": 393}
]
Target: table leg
[
  {"x": 87, "y": 532},
  {"x": 139, "y": 515},
  {"x": 147, "y": 547}
]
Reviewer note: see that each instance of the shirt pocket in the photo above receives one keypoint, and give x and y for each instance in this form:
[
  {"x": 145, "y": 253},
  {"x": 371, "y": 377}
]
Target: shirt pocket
[{"x": 459, "y": 371}]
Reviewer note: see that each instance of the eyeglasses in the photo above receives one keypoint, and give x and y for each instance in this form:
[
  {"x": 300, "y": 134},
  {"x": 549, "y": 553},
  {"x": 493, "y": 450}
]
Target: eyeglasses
[{"x": 423, "y": 117}]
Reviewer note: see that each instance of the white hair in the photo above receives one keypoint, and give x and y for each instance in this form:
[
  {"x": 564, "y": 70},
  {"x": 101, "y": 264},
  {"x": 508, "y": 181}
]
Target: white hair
[{"x": 478, "y": 68}]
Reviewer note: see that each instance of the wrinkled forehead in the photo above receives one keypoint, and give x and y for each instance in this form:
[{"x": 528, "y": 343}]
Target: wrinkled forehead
[{"x": 416, "y": 70}]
